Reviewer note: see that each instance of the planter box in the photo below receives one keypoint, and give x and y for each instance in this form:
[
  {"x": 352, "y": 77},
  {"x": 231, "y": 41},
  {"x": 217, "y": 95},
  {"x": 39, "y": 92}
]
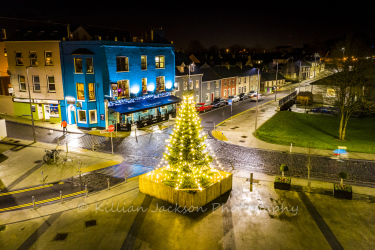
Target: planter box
[
  {"x": 281, "y": 185},
  {"x": 151, "y": 184},
  {"x": 342, "y": 194}
]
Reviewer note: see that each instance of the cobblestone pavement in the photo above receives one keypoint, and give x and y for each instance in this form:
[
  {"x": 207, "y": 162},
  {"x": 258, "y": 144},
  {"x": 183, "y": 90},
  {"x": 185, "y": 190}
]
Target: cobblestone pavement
[{"x": 147, "y": 151}]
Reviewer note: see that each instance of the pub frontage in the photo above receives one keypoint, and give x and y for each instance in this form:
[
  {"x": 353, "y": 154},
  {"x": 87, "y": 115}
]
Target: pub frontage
[{"x": 143, "y": 111}]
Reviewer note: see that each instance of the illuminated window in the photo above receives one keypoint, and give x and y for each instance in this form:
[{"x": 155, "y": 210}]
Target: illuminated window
[
  {"x": 91, "y": 91},
  {"x": 123, "y": 88},
  {"x": 159, "y": 62},
  {"x": 19, "y": 59},
  {"x": 331, "y": 93},
  {"x": 78, "y": 65},
  {"x": 22, "y": 83},
  {"x": 51, "y": 84},
  {"x": 80, "y": 91},
  {"x": 89, "y": 65},
  {"x": 197, "y": 84},
  {"x": 160, "y": 86},
  {"x": 48, "y": 58},
  {"x": 33, "y": 58},
  {"x": 5, "y": 52},
  {"x": 143, "y": 62},
  {"x": 144, "y": 85},
  {"x": 36, "y": 83},
  {"x": 122, "y": 63}
]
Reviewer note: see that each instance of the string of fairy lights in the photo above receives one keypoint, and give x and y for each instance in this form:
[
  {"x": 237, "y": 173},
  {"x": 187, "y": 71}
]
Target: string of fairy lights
[{"x": 187, "y": 159}]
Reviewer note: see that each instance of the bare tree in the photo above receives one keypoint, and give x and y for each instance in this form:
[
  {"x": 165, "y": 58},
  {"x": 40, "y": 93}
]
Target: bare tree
[{"x": 353, "y": 71}]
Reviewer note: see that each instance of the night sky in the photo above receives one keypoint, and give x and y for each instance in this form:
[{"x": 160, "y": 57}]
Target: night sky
[{"x": 221, "y": 24}]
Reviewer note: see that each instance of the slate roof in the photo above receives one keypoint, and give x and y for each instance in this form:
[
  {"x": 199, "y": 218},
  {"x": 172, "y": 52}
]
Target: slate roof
[{"x": 41, "y": 33}]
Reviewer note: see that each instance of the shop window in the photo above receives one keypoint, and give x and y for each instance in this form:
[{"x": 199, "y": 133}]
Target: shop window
[
  {"x": 33, "y": 58},
  {"x": 19, "y": 59},
  {"x": 78, "y": 65},
  {"x": 159, "y": 62},
  {"x": 160, "y": 86},
  {"x": 51, "y": 84},
  {"x": 89, "y": 65},
  {"x": 122, "y": 63},
  {"x": 144, "y": 85},
  {"x": 36, "y": 83},
  {"x": 82, "y": 116},
  {"x": 92, "y": 115},
  {"x": 54, "y": 110},
  {"x": 48, "y": 58},
  {"x": 22, "y": 83},
  {"x": 91, "y": 91},
  {"x": 80, "y": 91},
  {"x": 143, "y": 62}
]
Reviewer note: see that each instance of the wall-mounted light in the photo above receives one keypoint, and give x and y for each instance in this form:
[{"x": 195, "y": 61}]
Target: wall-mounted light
[
  {"x": 168, "y": 85},
  {"x": 151, "y": 88},
  {"x": 134, "y": 90}
]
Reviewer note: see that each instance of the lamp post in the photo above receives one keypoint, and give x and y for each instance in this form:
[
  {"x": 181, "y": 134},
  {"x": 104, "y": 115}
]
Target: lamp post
[
  {"x": 31, "y": 109},
  {"x": 277, "y": 71},
  {"x": 256, "y": 109}
]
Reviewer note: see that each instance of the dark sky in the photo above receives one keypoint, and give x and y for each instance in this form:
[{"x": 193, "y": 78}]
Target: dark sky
[{"x": 222, "y": 24}]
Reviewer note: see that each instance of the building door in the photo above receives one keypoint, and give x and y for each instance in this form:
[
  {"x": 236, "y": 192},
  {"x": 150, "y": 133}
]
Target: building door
[
  {"x": 72, "y": 114},
  {"x": 46, "y": 112},
  {"x": 212, "y": 96},
  {"x": 40, "y": 111}
]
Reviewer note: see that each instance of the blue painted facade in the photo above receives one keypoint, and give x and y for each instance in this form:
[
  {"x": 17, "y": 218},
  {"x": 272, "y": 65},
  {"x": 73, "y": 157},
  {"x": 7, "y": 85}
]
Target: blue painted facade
[{"x": 107, "y": 81}]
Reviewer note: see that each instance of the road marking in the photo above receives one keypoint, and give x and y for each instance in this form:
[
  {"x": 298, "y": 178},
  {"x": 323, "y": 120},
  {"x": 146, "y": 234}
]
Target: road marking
[
  {"x": 100, "y": 166},
  {"x": 43, "y": 201},
  {"x": 26, "y": 190}
]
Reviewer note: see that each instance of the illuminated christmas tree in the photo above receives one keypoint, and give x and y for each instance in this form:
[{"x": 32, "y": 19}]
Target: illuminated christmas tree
[{"x": 187, "y": 157}]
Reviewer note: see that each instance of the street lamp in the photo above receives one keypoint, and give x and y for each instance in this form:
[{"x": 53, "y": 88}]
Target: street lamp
[
  {"x": 256, "y": 109},
  {"x": 277, "y": 71},
  {"x": 31, "y": 109}
]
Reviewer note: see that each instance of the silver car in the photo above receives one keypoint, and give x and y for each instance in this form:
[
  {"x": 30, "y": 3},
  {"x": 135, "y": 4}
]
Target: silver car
[
  {"x": 234, "y": 98},
  {"x": 254, "y": 98}
]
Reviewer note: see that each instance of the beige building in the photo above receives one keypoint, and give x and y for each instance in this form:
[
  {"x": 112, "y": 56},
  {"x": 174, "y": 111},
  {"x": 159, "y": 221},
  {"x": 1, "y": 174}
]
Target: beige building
[{"x": 36, "y": 64}]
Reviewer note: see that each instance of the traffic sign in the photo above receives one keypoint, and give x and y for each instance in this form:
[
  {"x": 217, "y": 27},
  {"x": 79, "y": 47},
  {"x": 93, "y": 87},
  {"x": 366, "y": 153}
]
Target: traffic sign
[
  {"x": 229, "y": 102},
  {"x": 111, "y": 128}
]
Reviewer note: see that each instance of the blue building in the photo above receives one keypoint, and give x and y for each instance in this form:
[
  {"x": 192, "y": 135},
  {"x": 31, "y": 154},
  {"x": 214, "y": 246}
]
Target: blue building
[{"x": 111, "y": 82}]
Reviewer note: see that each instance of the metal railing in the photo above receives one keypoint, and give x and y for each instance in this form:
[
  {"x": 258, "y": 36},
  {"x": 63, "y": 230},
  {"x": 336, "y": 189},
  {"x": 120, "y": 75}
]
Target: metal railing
[{"x": 287, "y": 98}]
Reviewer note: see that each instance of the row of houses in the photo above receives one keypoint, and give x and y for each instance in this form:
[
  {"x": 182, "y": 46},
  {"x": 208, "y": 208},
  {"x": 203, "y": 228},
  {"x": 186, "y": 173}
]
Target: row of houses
[{"x": 93, "y": 80}]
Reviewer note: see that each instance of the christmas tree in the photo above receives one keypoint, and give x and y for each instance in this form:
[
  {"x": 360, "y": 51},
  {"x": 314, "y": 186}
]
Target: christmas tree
[{"x": 187, "y": 157}]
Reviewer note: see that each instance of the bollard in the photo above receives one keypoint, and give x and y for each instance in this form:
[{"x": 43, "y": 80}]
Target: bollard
[
  {"x": 42, "y": 177},
  {"x": 85, "y": 190},
  {"x": 108, "y": 182},
  {"x": 251, "y": 178},
  {"x": 291, "y": 145},
  {"x": 61, "y": 199},
  {"x": 126, "y": 177},
  {"x": 33, "y": 202}
]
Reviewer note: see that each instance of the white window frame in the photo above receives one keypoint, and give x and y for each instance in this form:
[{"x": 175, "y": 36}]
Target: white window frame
[
  {"x": 49, "y": 84},
  {"x": 225, "y": 93},
  {"x": 79, "y": 117},
  {"x": 233, "y": 91},
  {"x": 197, "y": 98},
  {"x": 22, "y": 83},
  {"x": 197, "y": 84},
  {"x": 33, "y": 79},
  {"x": 33, "y": 58},
  {"x": 96, "y": 116},
  {"x": 207, "y": 97}
]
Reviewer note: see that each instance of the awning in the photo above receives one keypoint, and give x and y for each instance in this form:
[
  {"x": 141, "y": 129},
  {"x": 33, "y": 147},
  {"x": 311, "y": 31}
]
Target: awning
[{"x": 137, "y": 106}]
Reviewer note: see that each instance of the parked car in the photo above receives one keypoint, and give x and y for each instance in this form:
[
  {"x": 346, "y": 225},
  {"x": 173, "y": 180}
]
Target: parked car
[
  {"x": 252, "y": 93},
  {"x": 203, "y": 107},
  {"x": 325, "y": 110},
  {"x": 254, "y": 98},
  {"x": 243, "y": 96},
  {"x": 218, "y": 102},
  {"x": 234, "y": 98}
]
